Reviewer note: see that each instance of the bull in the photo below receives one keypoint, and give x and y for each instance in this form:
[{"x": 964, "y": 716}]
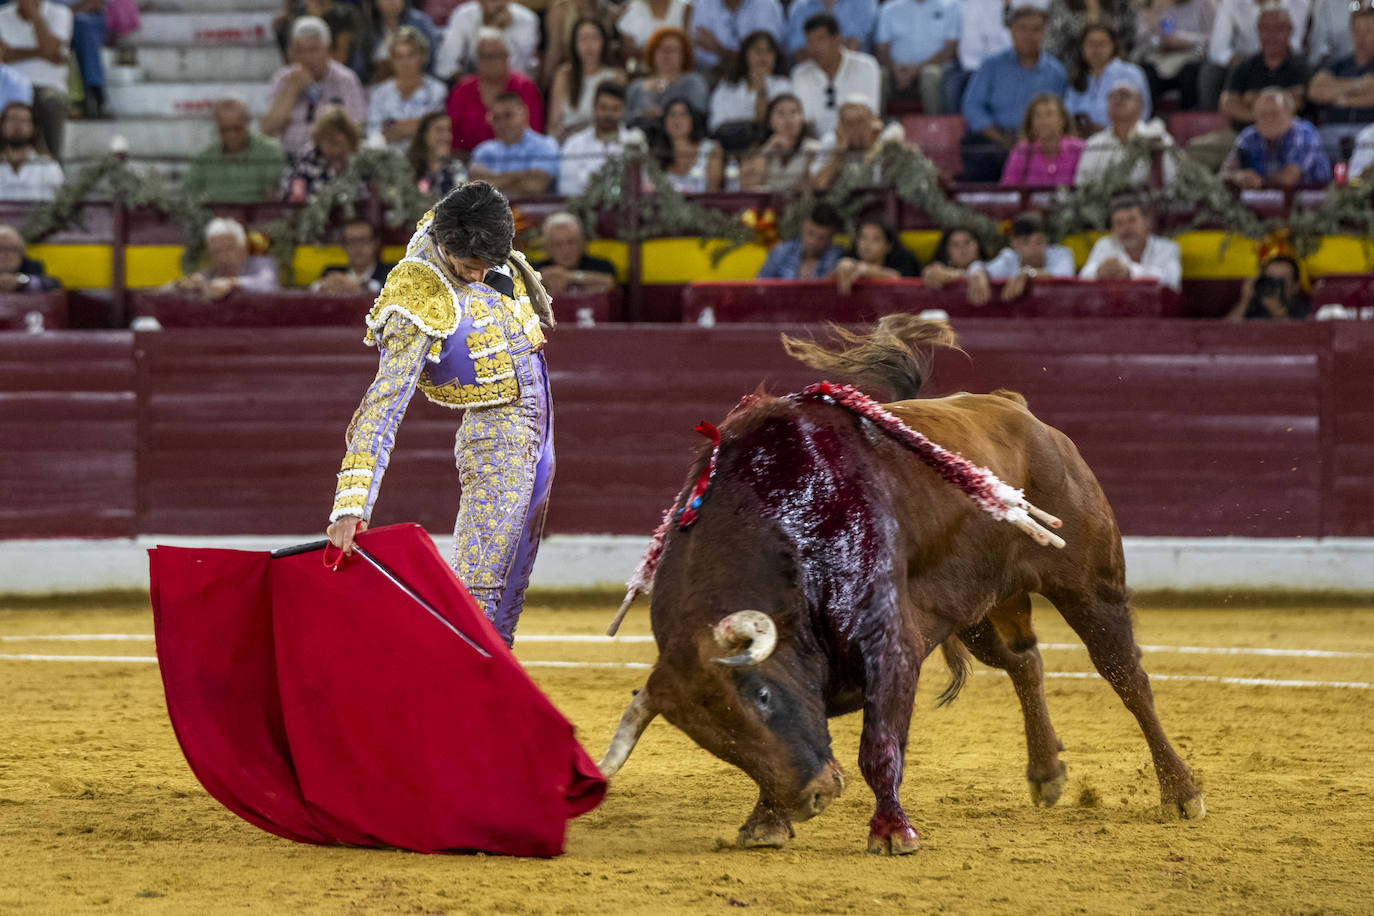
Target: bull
[{"x": 825, "y": 564}]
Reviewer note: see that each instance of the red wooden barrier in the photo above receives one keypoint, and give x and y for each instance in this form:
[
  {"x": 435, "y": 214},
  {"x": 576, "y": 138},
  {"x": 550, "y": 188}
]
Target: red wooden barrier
[{"x": 15, "y": 309}]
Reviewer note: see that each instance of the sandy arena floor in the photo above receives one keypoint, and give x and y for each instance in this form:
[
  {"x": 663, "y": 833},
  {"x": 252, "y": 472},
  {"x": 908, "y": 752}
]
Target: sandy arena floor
[{"x": 99, "y": 813}]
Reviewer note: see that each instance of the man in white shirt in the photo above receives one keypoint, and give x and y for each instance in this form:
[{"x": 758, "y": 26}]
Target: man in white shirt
[
  {"x": 457, "y": 52},
  {"x": 833, "y": 74},
  {"x": 1124, "y": 108},
  {"x": 1029, "y": 255},
  {"x": 35, "y": 36},
  {"x": 1131, "y": 252},
  {"x": 585, "y": 152},
  {"x": 25, "y": 173},
  {"x": 915, "y": 41}
]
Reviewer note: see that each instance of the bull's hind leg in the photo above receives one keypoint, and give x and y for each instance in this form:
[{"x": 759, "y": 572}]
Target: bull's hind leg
[
  {"x": 1004, "y": 639},
  {"x": 1103, "y": 622}
]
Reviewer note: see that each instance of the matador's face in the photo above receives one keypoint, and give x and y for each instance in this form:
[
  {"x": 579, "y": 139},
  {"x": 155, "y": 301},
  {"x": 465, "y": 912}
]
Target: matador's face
[{"x": 469, "y": 270}]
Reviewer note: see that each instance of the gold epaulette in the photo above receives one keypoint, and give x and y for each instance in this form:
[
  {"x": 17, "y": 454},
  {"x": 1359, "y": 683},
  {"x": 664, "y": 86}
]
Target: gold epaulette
[{"x": 416, "y": 290}]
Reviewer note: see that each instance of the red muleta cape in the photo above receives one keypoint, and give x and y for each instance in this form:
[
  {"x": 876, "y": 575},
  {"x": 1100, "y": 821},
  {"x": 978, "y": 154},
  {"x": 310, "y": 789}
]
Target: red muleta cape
[{"x": 329, "y": 707}]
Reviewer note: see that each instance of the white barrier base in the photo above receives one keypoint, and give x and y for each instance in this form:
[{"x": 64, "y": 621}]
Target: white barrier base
[{"x": 73, "y": 565}]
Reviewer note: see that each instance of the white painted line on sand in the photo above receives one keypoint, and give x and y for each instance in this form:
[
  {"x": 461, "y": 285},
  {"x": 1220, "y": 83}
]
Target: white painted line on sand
[
  {"x": 1220, "y": 650},
  {"x": 81, "y": 637},
  {"x": 80, "y": 658}
]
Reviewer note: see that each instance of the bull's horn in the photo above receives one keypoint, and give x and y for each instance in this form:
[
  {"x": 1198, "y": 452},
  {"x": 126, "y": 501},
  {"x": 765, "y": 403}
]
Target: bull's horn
[
  {"x": 637, "y": 717},
  {"x": 753, "y": 628}
]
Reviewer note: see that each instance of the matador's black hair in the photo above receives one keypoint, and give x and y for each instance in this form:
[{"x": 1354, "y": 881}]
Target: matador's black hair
[{"x": 475, "y": 221}]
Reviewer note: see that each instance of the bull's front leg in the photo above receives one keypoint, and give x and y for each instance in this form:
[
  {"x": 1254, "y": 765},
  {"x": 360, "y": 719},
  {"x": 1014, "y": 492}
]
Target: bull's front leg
[{"x": 889, "y": 696}]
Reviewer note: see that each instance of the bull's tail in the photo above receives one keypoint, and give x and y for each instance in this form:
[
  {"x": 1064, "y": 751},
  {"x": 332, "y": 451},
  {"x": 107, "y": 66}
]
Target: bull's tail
[
  {"x": 956, "y": 657},
  {"x": 894, "y": 356}
]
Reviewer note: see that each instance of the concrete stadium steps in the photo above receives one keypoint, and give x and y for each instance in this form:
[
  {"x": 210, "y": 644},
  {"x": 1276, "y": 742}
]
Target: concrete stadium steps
[
  {"x": 215, "y": 64},
  {"x": 181, "y": 100},
  {"x": 149, "y": 138},
  {"x": 205, "y": 29}
]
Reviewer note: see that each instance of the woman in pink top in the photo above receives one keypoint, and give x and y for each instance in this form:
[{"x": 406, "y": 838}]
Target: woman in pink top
[{"x": 1046, "y": 155}]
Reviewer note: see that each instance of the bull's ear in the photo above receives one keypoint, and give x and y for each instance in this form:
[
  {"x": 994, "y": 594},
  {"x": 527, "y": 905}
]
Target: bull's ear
[{"x": 751, "y": 633}]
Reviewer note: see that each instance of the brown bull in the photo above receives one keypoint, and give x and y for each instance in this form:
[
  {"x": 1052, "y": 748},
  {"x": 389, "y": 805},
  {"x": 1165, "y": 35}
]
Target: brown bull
[{"x": 827, "y": 563}]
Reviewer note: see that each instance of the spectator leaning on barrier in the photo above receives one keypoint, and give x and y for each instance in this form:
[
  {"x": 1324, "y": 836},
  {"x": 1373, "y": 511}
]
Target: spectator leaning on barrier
[
  {"x": 1345, "y": 88},
  {"x": 242, "y": 167},
  {"x": 741, "y": 98},
  {"x": 1130, "y": 251},
  {"x": 518, "y": 27},
  {"x": 668, "y": 56},
  {"x": 229, "y": 266},
  {"x": 858, "y": 21},
  {"x": 916, "y": 41},
  {"x": 312, "y": 80},
  {"x": 1029, "y": 255},
  {"x": 877, "y": 253},
  {"x": 996, "y": 99},
  {"x": 811, "y": 257},
  {"x": 336, "y": 138},
  {"x": 957, "y": 251},
  {"x": 35, "y": 36},
  {"x": 1278, "y": 149},
  {"x": 587, "y": 151},
  {"x": 1171, "y": 45},
  {"x": 833, "y": 73},
  {"x": 364, "y": 272},
  {"x": 782, "y": 161},
  {"x": 18, "y": 272},
  {"x": 1276, "y": 294},
  {"x": 1097, "y": 67},
  {"x": 430, "y": 154},
  {"x": 26, "y": 173},
  {"x": 718, "y": 26},
  {"x": 859, "y": 136},
  {"x": 1102, "y": 149},
  {"x": 1046, "y": 154},
  {"x": 518, "y": 160},
  {"x": 568, "y": 268},
  {"x": 469, "y": 102},
  {"x": 589, "y": 64},
  {"x": 395, "y": 107}
]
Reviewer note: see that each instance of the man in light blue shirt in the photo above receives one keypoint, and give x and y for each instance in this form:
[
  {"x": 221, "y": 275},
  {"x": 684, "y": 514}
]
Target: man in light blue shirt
[
  {"x": 857, "y": 19},
  {"x": 915, "y": 40},
  {"x": 14, "y": 87},
  {"x": 718, "y": 27},
  {"x": 518, "y": 160},
  {"x": 1029, "y": 255},
  {"x": 996, "y": 98},
  {"x": 811, "y": 257}
]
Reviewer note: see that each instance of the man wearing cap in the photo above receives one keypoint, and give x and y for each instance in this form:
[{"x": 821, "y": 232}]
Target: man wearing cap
[{"x": 1124, "y": 109}]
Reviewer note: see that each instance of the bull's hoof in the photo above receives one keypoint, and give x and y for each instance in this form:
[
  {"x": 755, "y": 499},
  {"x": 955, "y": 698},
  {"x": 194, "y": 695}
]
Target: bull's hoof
[
  {"x": 1047, "y": 792},
  {"x": 1190, "y": 809},
  {"x": 892, "y": 838},
  {"x": 764, "y": 836}
]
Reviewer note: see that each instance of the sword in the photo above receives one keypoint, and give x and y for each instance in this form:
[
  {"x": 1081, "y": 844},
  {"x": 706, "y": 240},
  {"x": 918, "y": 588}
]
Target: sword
[{"x": 391, "y": 577}]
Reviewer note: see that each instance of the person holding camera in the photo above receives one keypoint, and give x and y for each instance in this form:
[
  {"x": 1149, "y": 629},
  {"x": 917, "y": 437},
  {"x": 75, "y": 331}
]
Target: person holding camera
[{"x": 1274, "y": 295}]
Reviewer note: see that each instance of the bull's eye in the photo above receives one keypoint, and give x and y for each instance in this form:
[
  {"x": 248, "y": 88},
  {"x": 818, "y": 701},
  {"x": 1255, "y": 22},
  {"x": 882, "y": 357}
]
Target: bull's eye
[{"x": 764, "y": 696}]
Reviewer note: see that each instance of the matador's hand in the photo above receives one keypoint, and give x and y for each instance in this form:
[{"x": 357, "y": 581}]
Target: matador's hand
[{"x": 342, "y": 532}]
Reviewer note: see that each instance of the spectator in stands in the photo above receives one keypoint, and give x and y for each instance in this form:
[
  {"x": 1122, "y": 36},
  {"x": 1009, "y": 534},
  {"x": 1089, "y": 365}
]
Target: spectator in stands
[
  {"x": 1278, "y": 149},
  {"x": 395, "y": 106},
  {"x": 1329, "y": 35},
  {"x": 1276, "y": 294},
  {"x": 345, "y": 23},
  {"x": 693, "y": 161},
  {"x": 1171, "y": 45},
  {"x": 229, "y": 266},
  {"x": 89, "y": 31},
  {"x": 430, "y": 154},
  {"x": 1346, "y": 88},
  {"x": 372, "y": 60},
  {"x": 1362, "y": 157},
  {"x": 858, "y": 21},
  {"x": 1274, "y": 65},
  {"x": 642, "y": 18},
  {"x": 588, "y": 65},
  {"x": 311, "y": 80},
  {"x": 916, "y": 41},
  {"x": 859, "y": 136},
  {"x": 1130, "y": 251},
  {"x": 718, "y": 26},
  {"x": 473, "y": 96},
  {"x": 243, "y": 167},
  {"x": 26, "y": 173},
  {"x": 668, "y": 56},
  {"x": 364, "y": 272},
  {"x": 1096, "y": 69},
  {"x": 811, "y": 257},
  {"x": 957, "y": 251},
  {"x": 460, "y": 53},
  {"x": 34, "y": 39},
  {"x": 1236, "y": 36},
  {"x": 14, "y": 86},
  {"x": 741, "y": 98},
  {"x": 982, "y": 33},
  {"x": 1047, "y": 153},
  {"x": 518, "y": 160},
  {"x": 877, "y": 253},
  {"x": 560, "y": 35},
  {"x": 568, "y": 268},
  {"x": 832, "y": 73},
  {"x": 334, "y": 143},
  {"x": 1124, "y": 110},
  {"x": 1069, "y": 19},
  {"x": 1028, "y": 255},
  {"x": 587, "y": 151},
  {"x": 997, "y": 96},
  {"x": 20, "y": 273},
  {"x": 782, "y": 161}
]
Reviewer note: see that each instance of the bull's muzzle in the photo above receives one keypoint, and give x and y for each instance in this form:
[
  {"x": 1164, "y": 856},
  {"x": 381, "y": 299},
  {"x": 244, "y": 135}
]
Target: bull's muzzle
[{"x": 820, "y": 792}]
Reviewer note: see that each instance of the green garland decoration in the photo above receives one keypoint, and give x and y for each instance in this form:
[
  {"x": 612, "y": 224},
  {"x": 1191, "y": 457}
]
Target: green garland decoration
[{"x": 1345, "y": 208}]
